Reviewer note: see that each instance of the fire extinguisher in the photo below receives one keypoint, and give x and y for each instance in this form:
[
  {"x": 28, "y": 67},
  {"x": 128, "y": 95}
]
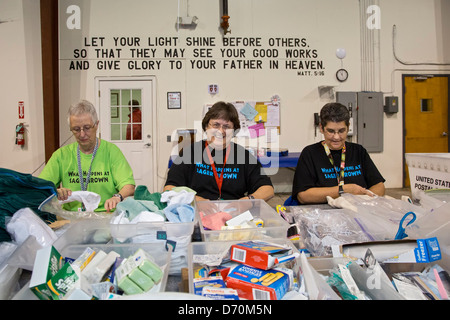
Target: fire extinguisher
[{"x": 20, "y": 134}]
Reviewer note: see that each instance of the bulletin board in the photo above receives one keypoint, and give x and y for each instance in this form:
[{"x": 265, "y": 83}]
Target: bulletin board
[{"x": 257, "y": 118}]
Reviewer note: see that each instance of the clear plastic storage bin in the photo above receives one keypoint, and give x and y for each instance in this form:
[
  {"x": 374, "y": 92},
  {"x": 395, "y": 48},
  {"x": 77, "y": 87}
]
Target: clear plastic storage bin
[
  {"x": 274, "y": 226},
  {"x": 428, "y": 171},
  {"x": 217, "y": 247},
  {"x": 96, "y": 235},
  {"x": 155, "y": 232}
]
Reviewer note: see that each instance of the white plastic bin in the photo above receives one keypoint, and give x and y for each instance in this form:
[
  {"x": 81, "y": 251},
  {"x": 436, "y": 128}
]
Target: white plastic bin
[
  {"x": 274, "y": 225},
  {"x": 214, "y": 248},
  {"x": 436, "y": 223},
  {"x": 428, "y": 171},
  {"x": 149, "y": 231},
  {"x": 217, "y": 247},
  {"x": 155, "y": 232}
]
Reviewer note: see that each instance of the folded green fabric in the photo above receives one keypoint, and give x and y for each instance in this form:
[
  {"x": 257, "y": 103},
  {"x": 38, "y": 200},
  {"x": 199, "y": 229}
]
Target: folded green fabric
[
  {"x": 21, "y": 190},
  {"x": 142, "y": 193},
  {"x": 133, "y": 207}
]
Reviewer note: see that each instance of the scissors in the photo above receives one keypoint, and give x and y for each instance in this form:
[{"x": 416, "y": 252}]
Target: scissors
[
  {"x": 281, "y": 211},
  {"x": 401, "y": 229}
]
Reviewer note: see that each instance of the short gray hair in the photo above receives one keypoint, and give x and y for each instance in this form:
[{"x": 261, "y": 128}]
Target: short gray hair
[{"x": 81, "y": 107}]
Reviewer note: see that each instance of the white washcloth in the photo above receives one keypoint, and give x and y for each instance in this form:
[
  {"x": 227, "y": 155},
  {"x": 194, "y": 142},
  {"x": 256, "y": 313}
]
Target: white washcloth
[
  {"x": 341, "y": 202},
  {"x": 177, "y": 197},
  {"x": 88, "y": 198},
  {"x": 147, "y": 216}
]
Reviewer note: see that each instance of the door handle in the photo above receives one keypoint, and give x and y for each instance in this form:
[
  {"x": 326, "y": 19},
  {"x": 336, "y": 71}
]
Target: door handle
[
  {"x": 148, "y": 145},
  {"x": 444, "y": 134}
]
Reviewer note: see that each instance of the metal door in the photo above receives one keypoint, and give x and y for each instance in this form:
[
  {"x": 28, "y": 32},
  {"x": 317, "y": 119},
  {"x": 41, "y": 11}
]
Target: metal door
[{"x": 425, "y": 115}]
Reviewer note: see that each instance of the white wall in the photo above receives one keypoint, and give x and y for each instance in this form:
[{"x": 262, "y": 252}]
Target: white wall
[
  {"x": 422, "y": 36},
  {"x": 21, "y": 80}
]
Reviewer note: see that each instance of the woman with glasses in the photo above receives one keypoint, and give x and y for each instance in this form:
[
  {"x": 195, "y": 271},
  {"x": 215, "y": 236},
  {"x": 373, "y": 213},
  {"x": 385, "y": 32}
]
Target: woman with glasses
[
  {"x": 334, "y": 166},
  {"x": 216, "y": 168},
  {"x": 100, "y": 163}
]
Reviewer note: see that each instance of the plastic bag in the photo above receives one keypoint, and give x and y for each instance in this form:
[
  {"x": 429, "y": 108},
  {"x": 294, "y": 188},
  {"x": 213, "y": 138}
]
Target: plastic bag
[
  {"x": 432, "y": 199},
  {"x": 53, "y": 205},
  {"x": 25, "y": 223},
  {"x": 388, "y": 209},
  {"x": 316, "y": 286},
  {"x": 320, "y": 229},
  {"x": 434, "y": 224},
  {"x": 24, "y": 255}
]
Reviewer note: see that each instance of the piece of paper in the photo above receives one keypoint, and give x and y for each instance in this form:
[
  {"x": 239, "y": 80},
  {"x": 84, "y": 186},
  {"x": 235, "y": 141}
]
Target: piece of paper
[
  {"x": 273, "y": 116},
  {"x": 249, "y": 112},
  {"x": 271, "y": 134},
  {"x": 261, "y": 116},
  {"x": 257, "y": 130}
]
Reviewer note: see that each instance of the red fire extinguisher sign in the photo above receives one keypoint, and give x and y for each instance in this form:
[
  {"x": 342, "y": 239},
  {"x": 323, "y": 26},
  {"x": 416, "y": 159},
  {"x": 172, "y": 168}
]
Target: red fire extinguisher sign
[{"x": 21, "y": 110}]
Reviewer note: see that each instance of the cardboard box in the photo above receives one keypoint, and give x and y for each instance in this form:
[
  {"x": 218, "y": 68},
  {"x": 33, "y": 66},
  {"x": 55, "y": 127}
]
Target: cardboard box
[
  {"x": 69, "y": 283},
  {"x": 261, "y": 254},
  {"x": 200, "y": 283},
  {"x": 394, "y": 251},
  {"x": 46, "y": 264},
  {"x": 257, "y": 284}
]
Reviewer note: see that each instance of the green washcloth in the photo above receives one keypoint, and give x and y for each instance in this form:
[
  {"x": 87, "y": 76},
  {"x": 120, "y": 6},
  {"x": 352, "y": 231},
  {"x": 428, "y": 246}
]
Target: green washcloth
[
  {"x": 142, "y": 193},
  {"x": 133, "y": 207}
]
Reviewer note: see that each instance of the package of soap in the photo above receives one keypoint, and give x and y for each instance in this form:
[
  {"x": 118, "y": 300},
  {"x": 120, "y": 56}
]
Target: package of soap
[
  {"x": 47, "y": 263},
  {"x": 69, "y": 283},
  {"x": 139, "y": 270}
]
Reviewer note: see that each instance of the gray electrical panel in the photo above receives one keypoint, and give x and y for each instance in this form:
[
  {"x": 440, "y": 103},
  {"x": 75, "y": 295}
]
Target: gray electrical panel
[
  {"x": 366, "y": 112},
  {"x": 370, "y": 120}
]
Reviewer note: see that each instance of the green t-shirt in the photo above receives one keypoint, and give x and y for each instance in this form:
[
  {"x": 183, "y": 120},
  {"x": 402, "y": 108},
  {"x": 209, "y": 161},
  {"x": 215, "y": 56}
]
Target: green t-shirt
[{"x": 109, "y": 174}]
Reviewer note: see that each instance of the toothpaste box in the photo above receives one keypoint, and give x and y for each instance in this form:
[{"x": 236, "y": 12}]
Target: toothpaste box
[
  {"x": 220, "y": 293},
  {"x": 47, "y": 263},
  {"x": 200, "y": 283},
  {"x": 257, "y": 284},
  {"x": 261, "y": 254}
]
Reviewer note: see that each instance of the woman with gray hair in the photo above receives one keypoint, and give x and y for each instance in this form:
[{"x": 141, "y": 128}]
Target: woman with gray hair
[{"x": 89, "y": 164}]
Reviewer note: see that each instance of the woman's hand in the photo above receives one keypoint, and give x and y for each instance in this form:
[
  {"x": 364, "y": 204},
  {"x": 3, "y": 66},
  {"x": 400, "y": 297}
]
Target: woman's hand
[
  {"x": 357, "y": 190},
  {"x": 111, "y": 203},
  {"x": 63, "y": 193}
]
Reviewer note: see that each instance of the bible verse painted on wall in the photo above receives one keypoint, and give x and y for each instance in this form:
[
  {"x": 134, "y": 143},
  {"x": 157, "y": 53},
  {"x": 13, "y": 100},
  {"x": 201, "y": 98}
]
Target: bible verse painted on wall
[{"x": 197, "y": 53}]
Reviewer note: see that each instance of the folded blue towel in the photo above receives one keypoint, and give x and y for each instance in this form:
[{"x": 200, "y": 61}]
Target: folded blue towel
[{"x": 179, "y": 213}]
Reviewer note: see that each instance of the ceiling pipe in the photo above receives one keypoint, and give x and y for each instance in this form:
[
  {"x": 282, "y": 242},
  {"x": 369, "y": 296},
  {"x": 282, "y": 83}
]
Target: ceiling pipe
[{"x": 225, "y": 17}]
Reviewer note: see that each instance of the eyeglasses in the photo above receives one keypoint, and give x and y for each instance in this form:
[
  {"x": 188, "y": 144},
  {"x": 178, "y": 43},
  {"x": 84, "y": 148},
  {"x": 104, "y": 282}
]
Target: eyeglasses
[
  {"x": 86, "y": 128},
  {"x": 340, "y": 132},
  {"x": 217, "y": 126}
]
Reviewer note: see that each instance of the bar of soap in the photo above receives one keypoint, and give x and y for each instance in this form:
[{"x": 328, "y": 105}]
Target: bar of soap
[
  {"x": 129, "y": 287},
  {"x": 152, "y": 270},
  {"x": 141, "y": 279}
]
